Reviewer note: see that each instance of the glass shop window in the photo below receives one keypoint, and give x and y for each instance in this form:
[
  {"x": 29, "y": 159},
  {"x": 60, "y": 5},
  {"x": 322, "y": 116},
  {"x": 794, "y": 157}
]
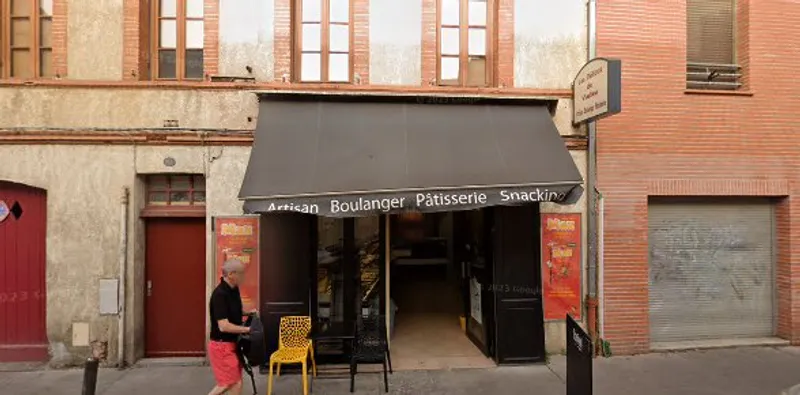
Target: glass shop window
[{"x": 330, "y": 267}]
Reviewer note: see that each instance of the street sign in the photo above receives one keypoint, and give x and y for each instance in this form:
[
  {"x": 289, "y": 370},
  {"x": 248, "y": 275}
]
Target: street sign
[
  {"x": 596, "y": 90},
  {"x": 579, "y": 359}
]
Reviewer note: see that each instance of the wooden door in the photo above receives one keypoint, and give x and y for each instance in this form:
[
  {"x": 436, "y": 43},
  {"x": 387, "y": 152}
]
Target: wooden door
[
  {"x": 175, "y": 297},
  {"x": 519, "y": 326},
  {"x": 288, "y": 252},
  {"x": 23, "y": 226}
]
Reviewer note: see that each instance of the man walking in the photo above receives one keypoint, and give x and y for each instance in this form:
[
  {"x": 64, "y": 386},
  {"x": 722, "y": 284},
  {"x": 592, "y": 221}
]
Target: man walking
[{"x": 225, "y": 308}]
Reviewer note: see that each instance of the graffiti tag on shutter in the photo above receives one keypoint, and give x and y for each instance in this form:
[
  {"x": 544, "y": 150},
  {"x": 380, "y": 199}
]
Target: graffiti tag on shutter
[{"x": 4, "y": 211}]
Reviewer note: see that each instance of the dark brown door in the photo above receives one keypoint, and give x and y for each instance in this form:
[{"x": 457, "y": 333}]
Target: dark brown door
[
  {"x": 473, "y": 252},
  {"x": 23, "y": 226},
  {"x": 519, "y": 326},
  {"x": 175, "y": 302},
  {"x": 288, "y": 252},
  {"x": 482, "y": 287}
]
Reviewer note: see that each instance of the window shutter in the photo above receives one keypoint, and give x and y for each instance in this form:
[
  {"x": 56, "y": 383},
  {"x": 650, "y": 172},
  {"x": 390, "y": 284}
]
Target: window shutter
[{"x": 710, "y": 31}]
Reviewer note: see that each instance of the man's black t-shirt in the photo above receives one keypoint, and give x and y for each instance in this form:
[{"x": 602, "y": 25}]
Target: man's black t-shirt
[{"x": 225, "y": 303}]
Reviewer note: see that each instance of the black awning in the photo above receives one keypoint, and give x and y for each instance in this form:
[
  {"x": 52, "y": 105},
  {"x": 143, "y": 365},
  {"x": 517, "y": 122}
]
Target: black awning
[{"x": 350, "y": 159}]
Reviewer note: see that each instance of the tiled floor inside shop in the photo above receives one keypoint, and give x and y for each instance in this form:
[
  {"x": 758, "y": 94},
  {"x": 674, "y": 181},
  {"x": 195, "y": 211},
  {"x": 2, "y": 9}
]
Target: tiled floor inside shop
[{"x": 427, "y": 332}]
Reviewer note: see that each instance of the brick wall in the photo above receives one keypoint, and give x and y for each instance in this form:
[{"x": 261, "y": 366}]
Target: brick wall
[
  {"x": 361, "y": 40},
  {"x": 505, "y": 44},
  {"x": 59, "y": 38},
  {"x": 670, "y": 141},
  {"x": 211, "y": 38},
  {"x": 429, "y": 46},
  {"x": 283, "y": 39}
]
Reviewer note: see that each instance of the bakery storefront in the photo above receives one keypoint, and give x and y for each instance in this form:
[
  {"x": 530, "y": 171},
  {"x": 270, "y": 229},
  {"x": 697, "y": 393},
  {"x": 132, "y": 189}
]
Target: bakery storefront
[{"x": 422, "y": 209}]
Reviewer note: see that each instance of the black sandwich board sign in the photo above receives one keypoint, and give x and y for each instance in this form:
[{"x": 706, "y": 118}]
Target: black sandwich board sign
[{"x": 579, "y": 359}]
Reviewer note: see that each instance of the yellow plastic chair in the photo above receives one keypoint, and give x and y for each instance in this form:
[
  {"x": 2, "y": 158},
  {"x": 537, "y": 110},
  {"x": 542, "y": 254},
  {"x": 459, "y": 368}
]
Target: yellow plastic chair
[{"x": 294, "y": 347}]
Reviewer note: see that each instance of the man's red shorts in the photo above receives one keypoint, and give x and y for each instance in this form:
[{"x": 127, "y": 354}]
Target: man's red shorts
[{"x": 225, "y": 363}]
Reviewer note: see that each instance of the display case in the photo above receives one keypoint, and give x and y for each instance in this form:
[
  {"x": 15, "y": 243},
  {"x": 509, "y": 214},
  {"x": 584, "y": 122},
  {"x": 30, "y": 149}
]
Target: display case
[{"x": 369, "y": 264}]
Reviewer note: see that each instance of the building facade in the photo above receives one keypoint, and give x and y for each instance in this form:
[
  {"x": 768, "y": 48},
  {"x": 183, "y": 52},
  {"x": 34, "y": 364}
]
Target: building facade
[
  {"x": 697, "y": 176},
  {"x": 126, "y": 126}
]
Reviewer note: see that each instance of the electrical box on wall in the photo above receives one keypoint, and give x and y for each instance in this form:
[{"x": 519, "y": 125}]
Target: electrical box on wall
[
  {"x": 80, "y": 334},
  {"x": 109, "y": 296}
]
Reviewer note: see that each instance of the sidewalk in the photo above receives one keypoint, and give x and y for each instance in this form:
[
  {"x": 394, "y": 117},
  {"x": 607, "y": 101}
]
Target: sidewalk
[{"x": 742, "y": 371}]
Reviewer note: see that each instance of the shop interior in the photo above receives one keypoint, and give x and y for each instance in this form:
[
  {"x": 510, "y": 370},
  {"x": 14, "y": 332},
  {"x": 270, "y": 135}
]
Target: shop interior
[{"x": 434, "y": 319}]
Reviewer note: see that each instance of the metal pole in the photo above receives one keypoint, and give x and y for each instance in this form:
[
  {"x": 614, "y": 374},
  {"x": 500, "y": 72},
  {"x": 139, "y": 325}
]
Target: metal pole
[
  {"x": 123, "y": 277},
  {"x": 90, "y": 376},
  {"x": 387, "y": 277},
  {"x": 591, "y": 178}
]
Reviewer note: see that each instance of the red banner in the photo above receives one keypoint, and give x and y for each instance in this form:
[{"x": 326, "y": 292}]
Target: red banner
[
  {"x": 237, "y": 237},
  {"x": 561, "y": 265}
]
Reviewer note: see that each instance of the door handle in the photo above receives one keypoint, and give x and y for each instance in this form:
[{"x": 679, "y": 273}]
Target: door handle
[{"x": 149, "y": 287}]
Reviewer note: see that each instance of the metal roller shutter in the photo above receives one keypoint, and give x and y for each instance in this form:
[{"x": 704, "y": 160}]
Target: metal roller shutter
[
  {"x": 711, "y": 269},
  {"x": 710, "y": 30}
]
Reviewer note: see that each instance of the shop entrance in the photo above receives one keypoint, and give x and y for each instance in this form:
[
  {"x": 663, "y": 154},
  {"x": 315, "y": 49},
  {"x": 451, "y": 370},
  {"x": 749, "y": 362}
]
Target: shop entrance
[
  {"x": 459, "y": 289},
  {"x": 429, "y": 274},
  {"x": 439, "y": 264}
]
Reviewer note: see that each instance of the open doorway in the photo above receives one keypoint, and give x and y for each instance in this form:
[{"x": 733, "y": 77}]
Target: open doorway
[{"x": 435, "y": 292}]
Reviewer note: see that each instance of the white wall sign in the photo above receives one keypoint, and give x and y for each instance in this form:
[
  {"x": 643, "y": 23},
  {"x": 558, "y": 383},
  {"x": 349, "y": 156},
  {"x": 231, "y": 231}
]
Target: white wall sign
[
  {"x": 109, "y": 296},
  {"x": 475, "y": 300},
  {"x": 596, "y": 90}
]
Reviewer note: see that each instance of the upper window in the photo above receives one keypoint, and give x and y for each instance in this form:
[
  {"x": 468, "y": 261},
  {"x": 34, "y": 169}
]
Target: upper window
[
  {"x": 464, "y": 42},
  {"x": 711, "y": 45},
  {"x": 26, "y": 38},
  {"x": 176, "y": 190},
  {"x": 178, "y": 47},
  {"x": 323, "y": 41}
]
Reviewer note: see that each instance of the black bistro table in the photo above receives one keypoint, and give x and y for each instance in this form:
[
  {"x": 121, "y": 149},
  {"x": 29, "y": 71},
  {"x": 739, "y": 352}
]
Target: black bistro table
[{"x": 341, "y": 332}]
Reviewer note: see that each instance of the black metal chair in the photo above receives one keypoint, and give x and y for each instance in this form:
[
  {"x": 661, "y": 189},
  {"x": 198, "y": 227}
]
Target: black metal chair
[{"x": 370, "y": 347}]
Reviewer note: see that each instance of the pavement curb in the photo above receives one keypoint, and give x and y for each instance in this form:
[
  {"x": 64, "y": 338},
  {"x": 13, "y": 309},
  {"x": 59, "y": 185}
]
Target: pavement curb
[{"x": 15, "y": 367}]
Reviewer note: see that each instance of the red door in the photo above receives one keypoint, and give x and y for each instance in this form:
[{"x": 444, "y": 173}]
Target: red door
[
  {"x": 175, "y": 273},
  {"x": 23, "y": 226}
]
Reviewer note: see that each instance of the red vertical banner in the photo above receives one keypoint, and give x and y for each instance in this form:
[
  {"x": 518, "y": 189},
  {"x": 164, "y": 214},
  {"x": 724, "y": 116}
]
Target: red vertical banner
[
  {"x": 561, "y": 265},
  {"x": 238, "y": 237}
]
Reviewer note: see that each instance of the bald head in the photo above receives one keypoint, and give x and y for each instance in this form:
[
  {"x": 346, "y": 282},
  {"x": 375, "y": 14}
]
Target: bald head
[{"x": 231, "y": 270}]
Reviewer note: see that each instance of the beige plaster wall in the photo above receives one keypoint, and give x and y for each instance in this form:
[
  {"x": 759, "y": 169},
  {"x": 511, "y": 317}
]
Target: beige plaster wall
[
  {"x": 84, "y": 187},
  {"x": 550, "y": 39},
  {"x": 94, "y": 39},
  {"x": 126, "y": 108},
  {"x": 395, "y": 42},
  {"x": 555, "y": 331},
  {"x": 246, "y": 37}
]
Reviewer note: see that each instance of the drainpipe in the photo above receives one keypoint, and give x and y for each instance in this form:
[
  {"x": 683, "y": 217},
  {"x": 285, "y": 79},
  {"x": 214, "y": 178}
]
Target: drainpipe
[
  {"x": 123, "y": 270},
  {"x": 591, "y": 181},
  {"x": 601, "y": 212}
]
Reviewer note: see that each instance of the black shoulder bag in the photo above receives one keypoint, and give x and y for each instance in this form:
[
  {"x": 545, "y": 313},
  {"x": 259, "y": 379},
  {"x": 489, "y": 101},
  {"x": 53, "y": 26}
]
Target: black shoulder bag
[{"x": 251, "y": 349}]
